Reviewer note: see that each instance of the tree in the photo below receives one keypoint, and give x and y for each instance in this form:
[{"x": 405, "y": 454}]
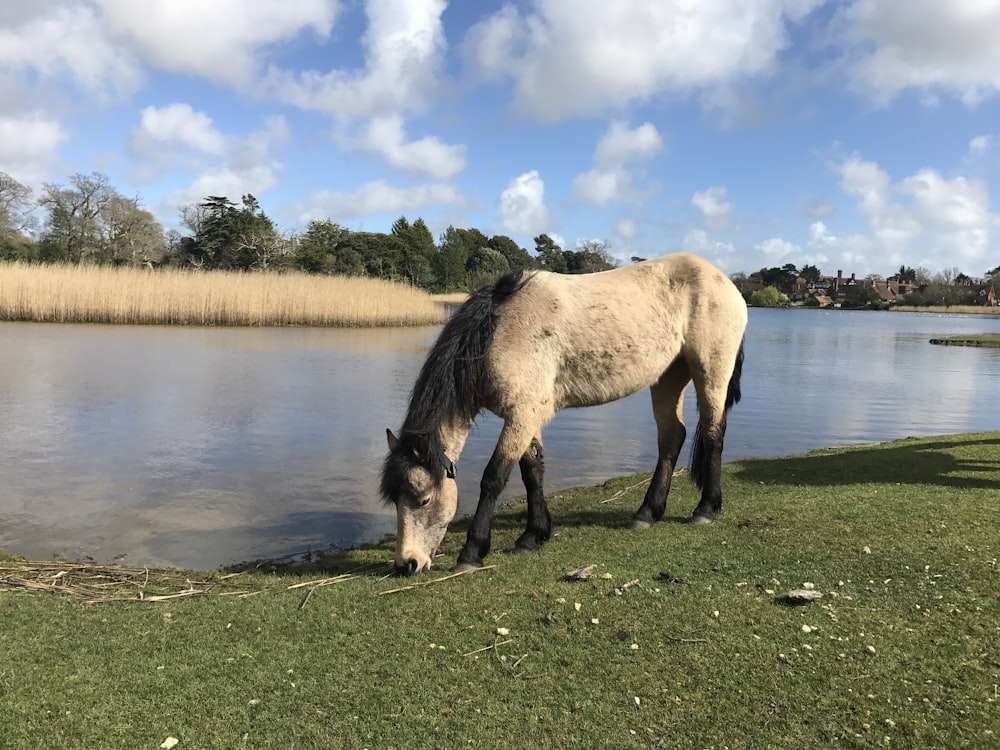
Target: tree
[
  {"x": 75, "y": 230},
  {"x": 484, "y": 266},
  {"x": 550, "y": 255},
  {"x": 15, "y": 209},
  {"x": 766, "y": 297},
  {"x": 258, "y": 244},
  {"x": 449, "y": 262},
  {"x": 134, "y": 235},
  {"x": 590, "y": 257},
  {"x": 810, "y": 273},
  {"x": 517, "y": 256},
  {"x": 317, "y": 249}
]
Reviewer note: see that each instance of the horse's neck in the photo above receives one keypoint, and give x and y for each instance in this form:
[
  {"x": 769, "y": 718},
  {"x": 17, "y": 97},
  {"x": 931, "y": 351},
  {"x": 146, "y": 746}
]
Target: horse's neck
[{"x": 453, "y": 435}]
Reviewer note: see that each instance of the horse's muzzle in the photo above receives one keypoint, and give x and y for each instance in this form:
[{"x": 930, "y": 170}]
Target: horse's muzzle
[{"x": 407, "y": 569}]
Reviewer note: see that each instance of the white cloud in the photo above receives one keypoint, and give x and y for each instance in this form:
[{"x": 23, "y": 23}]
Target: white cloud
[
  {"x": 219, "y": 40},
  {"x": 626, "y": 51},
  {"x": 176, "y": 124},
  {"x": 598, "y": 186},
  {"x": 247, "y": 164},
  {"x": 67, "y": 42},
  {"x": 776, "y": 248},
  {"x": 981, "y": 144},
  {"x": 621, "y": 144},
  {"x": 29, "y": 146},
  {"x": 521, "y": 205},
  {"x": 224, "y": 181},
  {"x": 610, "y": 179},
  {"x": 404, "y": 46},
  {"x": 925, "y": 44},
  {"x": 386, "y": 136},
  {"x": 947, "y": 221},
  {"x": 820, "y": 236},
  {"x": 627, "y": 229},
  {"x": 716, "y": 210},
  {"x": 377, "y": 197}
]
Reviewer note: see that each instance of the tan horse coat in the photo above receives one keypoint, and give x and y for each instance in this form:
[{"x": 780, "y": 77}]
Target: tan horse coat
[{"x": 561, "y": 341}]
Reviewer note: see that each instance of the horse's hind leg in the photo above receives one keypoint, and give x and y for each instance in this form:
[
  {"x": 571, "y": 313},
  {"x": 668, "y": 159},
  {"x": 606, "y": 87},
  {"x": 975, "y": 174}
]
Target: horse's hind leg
[
  {"x": 706, "y": 458},
  {"x": 539, "y": 525},
  {"x": 668, "y": 411}
]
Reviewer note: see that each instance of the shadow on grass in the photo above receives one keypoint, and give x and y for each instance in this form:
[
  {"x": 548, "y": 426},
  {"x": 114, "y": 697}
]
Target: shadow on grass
[{"x": 920, "y": 461}]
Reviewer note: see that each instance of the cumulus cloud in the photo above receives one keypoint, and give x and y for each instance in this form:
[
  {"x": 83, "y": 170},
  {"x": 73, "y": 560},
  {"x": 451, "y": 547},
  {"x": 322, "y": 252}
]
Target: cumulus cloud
[
  {"x": 219, "y": 40},
  {"x": 176, "y": 124},
  {"x": 521, "y": 205},
  {"x": 246, "y": 164},
  {"x": 611, "y": 179},
  {"x": 622, "y": 144},
  {"x": 387, "y": 136},
  {"x": 925, "y": 44},
  {"x": 67, "y": 42},
  {"x": 980, "y": 144},
  {"x": 626, "y": 51},
  {"x": 717, "y": 212},
  {"x": 28, "y": 146},
  {"x": 378, "y": 197},
  {"x": 776, "y": 249},
  {"x": 627, "y": 229},
  {"x": 404, "y": 46},
  {"x": 938, "y": 219}
]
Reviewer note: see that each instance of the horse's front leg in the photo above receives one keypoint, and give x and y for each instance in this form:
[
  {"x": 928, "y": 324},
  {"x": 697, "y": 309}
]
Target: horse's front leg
[
  {"x": 510, "y": 447},
  {"x": 539, "y": 526}
]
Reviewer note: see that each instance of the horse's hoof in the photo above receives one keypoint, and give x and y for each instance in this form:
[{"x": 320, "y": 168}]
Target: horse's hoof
[
  {"x": 700, "y": 520},
  {"x": 638, "y": 525},
  {"x": 465, "y": 568}
]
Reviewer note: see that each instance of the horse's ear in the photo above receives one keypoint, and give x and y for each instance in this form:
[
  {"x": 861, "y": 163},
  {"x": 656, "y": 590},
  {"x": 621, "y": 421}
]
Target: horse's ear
[{"x": 393, "y": 440}]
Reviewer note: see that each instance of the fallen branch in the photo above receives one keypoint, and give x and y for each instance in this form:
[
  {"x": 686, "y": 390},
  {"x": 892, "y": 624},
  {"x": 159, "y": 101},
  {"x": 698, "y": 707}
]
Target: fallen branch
[
  {"x": 422, "y": 584},
  {"x": 685, "y": 640},
  {"x": 621, "y": 492},
  {"x": 489, "y": 648}
]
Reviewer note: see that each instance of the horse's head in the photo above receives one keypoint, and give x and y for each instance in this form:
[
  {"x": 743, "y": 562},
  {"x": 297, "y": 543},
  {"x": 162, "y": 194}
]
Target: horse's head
[{"x": 420, "y": 482}]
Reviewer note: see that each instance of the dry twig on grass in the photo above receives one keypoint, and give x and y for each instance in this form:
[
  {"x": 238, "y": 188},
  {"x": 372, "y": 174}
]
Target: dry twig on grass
[
  {"x": 95, "y": 584},
  {"x": 422, "y": 584}
]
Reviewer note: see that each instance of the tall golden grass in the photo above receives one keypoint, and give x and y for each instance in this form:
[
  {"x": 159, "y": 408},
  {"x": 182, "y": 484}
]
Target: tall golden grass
[
  {"x": 90, "y": 294},
  {"x": 963, "y": 309}
]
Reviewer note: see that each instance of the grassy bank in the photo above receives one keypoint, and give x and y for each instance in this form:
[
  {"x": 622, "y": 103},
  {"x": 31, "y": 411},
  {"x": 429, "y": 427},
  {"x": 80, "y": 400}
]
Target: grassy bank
[
  {"x": 991, "y": 340},
  {"x": 682, "y": 638},
  {"x": 89, "y": 294}
]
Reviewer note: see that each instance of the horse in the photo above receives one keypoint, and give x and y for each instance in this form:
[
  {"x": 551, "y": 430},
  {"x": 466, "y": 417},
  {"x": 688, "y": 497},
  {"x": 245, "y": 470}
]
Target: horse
[{"x": 536, "y": 342}]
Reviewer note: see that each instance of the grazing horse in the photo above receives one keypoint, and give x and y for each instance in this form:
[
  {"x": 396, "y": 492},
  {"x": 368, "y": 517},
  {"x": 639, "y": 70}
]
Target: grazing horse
[{"x": 537, "y": 342}]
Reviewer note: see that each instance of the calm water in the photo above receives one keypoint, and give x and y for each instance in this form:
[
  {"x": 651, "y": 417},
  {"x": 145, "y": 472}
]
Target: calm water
[{"x": 203, "y": 447}]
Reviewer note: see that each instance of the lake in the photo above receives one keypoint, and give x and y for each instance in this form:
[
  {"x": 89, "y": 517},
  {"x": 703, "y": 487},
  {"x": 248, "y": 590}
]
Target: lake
[{"x": 202, "y": 447}]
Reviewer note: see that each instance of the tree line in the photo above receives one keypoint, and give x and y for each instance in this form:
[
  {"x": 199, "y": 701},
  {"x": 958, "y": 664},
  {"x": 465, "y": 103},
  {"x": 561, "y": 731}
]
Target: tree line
[
  {"x": 771, "y": 287},
  {"x": 88, "y": 221}
]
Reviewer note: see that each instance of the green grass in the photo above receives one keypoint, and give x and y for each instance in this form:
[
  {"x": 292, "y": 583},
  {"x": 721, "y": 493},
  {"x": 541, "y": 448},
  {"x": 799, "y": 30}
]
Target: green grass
[
  {"x": 902, "y": 651},
  {"x": 984, "y": 339}
]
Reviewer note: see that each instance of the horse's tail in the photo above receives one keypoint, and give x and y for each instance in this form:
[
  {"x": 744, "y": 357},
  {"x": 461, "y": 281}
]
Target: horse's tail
[
  {"x": 452, "y": 380},
  {"x": 700, "y": 456}
]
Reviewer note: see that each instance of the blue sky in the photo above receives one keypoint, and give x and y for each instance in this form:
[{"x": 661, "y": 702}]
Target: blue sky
[{"x": 854, "y": 134}]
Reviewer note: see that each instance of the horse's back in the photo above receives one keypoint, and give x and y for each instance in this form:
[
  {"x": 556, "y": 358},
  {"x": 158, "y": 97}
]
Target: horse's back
[{"x": 580, "y": 340}]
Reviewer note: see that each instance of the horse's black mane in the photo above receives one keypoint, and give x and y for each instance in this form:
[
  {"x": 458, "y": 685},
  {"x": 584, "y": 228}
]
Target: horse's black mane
[{"x": 452, "y": 380}]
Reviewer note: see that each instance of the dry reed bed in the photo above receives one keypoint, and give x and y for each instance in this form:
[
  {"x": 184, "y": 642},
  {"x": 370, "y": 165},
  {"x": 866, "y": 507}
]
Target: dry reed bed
[
  {"x": 962, "y": 309},
  {"x": 90, "y": 294}
]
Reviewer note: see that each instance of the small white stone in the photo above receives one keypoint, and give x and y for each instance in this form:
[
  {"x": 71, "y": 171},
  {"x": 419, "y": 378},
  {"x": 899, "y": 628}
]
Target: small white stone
[
  {"x": 503, "y": 631},
  {"x": 871, "y": 649},
  {"x": 807, "y": 629}
]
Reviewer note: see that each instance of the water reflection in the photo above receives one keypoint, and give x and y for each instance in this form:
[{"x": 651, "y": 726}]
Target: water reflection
[{"x": 204, "y": 446}]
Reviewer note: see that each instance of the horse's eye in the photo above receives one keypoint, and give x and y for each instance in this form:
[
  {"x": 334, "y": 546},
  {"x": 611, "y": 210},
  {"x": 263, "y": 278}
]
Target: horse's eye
[{"x": 422, "y": 501}]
